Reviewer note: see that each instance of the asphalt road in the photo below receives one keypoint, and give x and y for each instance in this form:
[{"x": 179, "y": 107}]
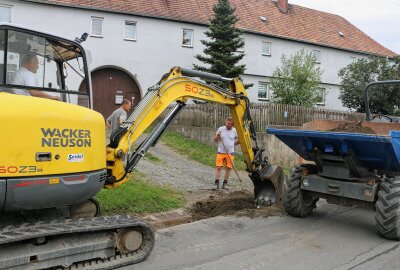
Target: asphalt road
[{"x": 334, "y": 237}]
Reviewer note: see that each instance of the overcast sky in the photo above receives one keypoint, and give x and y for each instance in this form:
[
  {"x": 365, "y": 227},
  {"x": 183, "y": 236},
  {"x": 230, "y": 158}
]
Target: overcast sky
[{"x": 379, "y": 19}]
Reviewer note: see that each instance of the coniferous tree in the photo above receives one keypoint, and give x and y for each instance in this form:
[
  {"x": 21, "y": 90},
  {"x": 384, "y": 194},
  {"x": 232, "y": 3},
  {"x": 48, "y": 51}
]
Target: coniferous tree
[{"x": 221, "y": 52}]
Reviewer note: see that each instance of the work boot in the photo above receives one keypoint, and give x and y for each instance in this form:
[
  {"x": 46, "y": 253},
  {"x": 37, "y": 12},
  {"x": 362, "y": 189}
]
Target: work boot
[
  {"x": 225, "y": 185},
  {"x": 216, "y": 183}
]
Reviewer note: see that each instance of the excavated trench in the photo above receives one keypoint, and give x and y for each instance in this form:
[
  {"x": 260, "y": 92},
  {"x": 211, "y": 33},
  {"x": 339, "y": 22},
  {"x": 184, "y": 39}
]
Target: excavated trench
[
  {"x": 212, "y": 204},
  {"x": 231, "y": 203}
]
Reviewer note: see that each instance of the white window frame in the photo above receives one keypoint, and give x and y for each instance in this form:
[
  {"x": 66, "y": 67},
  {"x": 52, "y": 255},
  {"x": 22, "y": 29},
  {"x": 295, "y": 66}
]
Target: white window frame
[
  {"x": 11, "y": 11},
  {"x": 127, "y": 22},
  {"x": 353, "y": 59},
  {"x": 191, "y": 38},
  {"x": 322, "y": 103},
  {"x": 268, "y": 53},
  {"x": 317, "y": 56},
  {"x": 91, "y": 26},
  {"x": 265, "y": 86}
]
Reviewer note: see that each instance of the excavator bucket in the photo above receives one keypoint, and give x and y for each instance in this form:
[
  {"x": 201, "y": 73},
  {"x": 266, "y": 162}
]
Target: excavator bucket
[{"x": 268, "y": 185}]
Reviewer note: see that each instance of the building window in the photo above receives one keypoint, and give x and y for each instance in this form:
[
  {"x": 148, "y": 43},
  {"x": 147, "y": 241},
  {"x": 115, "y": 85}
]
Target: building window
[
  {"x": 187, "y": 40},
  {"x": 97, "y": 27},
  {"x": 321, "y": 96},
  {"x": 5, "y": 13},
  {"x": 130, "y": 30},
  {"x": 263, "y": 91},
  {"x": 353, "y": 59},
  {"x": 266, "y": 48},
  {"x": 317, "y": 56}
]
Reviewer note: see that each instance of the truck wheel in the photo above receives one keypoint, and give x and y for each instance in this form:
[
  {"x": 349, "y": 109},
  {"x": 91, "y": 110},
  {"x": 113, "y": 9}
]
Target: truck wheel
[
  {"x": 387, "y": 209},
  {"x": 296, "y": 203}
]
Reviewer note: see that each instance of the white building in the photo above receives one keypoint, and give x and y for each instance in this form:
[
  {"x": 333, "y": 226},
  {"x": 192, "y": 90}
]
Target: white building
[{"x": 134, "y": 42}]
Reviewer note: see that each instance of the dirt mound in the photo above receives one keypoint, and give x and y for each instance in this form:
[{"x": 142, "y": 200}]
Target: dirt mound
[
  {"x": 353, "y": 127},
  {"x": 239, "y": 203}
]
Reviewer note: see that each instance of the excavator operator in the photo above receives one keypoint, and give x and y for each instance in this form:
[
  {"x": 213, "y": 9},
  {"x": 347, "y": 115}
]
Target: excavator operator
[{"x": 25, "y": 75}]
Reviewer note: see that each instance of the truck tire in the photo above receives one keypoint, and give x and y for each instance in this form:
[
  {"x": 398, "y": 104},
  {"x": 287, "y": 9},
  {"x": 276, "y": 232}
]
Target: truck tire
[
  {"x": 387, "y": 209},
  {"x": 296, "y": 203}
]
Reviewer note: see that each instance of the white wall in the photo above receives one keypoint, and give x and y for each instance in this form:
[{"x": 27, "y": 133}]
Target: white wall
[
  {"x": 260, "y": 67},
  {"x": 158, "y": 46}
]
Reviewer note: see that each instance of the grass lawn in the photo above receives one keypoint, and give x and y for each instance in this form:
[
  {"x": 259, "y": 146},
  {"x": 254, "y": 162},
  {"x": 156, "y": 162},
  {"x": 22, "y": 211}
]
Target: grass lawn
[{"x": 138, "y": 196}]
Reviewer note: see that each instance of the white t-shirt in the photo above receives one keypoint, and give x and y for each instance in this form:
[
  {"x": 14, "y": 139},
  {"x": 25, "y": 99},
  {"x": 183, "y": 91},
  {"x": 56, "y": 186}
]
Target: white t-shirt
[
  {"x": 23, "y": 77},
  {"x": 229, "y": 137}
]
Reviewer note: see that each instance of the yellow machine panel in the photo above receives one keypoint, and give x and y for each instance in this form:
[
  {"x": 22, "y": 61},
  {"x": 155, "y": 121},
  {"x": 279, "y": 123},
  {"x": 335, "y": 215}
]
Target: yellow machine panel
[{"x": 54, "y": 138}]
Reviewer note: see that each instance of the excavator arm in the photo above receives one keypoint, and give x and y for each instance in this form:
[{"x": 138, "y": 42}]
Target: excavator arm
[{"x": 180, "y": 85}]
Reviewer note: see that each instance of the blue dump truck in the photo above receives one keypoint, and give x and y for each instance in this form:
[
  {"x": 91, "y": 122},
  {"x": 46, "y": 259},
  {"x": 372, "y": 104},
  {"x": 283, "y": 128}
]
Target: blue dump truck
[{"x": 346, "y": 167}]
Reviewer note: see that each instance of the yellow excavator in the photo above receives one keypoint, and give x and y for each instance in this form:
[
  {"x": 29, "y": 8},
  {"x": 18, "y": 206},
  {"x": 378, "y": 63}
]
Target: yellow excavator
[{"x": 54, "y": 158}]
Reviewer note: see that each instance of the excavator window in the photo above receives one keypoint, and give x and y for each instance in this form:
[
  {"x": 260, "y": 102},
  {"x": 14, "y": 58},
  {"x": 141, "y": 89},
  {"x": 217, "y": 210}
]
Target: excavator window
[{"x": 32, "y": 61}]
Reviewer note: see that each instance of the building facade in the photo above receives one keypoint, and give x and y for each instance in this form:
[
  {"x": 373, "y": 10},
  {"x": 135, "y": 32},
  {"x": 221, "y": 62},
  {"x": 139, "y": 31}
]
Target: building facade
[{"x": 133, "y": 43}]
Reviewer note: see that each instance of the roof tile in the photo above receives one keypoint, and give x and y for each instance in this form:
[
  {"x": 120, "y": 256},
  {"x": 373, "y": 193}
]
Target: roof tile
[{"x": 299, "y": 23}]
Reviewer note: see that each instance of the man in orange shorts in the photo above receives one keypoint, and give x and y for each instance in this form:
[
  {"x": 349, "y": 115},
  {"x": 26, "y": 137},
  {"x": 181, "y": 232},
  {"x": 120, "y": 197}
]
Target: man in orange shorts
[{"x": 227, "y": 138}]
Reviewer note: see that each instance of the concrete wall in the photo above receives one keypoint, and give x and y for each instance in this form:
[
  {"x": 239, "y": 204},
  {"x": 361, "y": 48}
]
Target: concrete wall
[
  {"x": 276, "y": 151},
  {"x": 158, "y": 46}
]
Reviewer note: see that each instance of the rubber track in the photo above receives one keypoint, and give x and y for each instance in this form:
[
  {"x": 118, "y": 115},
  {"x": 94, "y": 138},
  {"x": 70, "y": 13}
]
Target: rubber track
[{"x": 25, "y": 231}]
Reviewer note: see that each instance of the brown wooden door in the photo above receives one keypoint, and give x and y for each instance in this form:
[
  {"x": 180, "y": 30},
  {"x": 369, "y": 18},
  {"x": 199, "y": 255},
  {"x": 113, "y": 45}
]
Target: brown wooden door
[{"x": 110, "y": 86}]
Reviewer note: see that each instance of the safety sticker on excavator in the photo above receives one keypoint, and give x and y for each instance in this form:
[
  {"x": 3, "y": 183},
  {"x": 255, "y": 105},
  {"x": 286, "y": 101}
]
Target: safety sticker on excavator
[{"x": 76, "y": 157}]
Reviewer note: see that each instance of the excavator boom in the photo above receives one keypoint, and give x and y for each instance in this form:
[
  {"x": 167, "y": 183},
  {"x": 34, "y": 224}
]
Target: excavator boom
[
  {"x": 177, "y": 86},
  {"x": 180, "y": 85}
]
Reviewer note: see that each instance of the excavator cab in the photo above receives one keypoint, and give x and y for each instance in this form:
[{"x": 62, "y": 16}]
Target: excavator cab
[
  {"x": 45, "y": 143},
  {"x": 34, "y": 62}
]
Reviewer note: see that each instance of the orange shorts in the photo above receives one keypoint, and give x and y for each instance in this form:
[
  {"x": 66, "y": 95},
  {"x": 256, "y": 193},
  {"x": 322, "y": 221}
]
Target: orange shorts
[{"x": 223, "y": 158}]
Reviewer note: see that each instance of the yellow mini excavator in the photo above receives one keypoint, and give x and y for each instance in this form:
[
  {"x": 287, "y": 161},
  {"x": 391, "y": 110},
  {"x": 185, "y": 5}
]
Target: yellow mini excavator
[{"x": 54, "y": 158}]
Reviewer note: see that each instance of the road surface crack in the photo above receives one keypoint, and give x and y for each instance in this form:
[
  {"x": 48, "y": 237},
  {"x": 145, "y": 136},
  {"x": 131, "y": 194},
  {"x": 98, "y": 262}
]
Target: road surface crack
[{"x": 387, "y": 251}]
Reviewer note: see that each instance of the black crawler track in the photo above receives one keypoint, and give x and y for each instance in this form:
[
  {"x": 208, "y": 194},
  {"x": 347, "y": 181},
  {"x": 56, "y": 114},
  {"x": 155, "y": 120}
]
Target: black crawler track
[{"x": 33, "y": 237}]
